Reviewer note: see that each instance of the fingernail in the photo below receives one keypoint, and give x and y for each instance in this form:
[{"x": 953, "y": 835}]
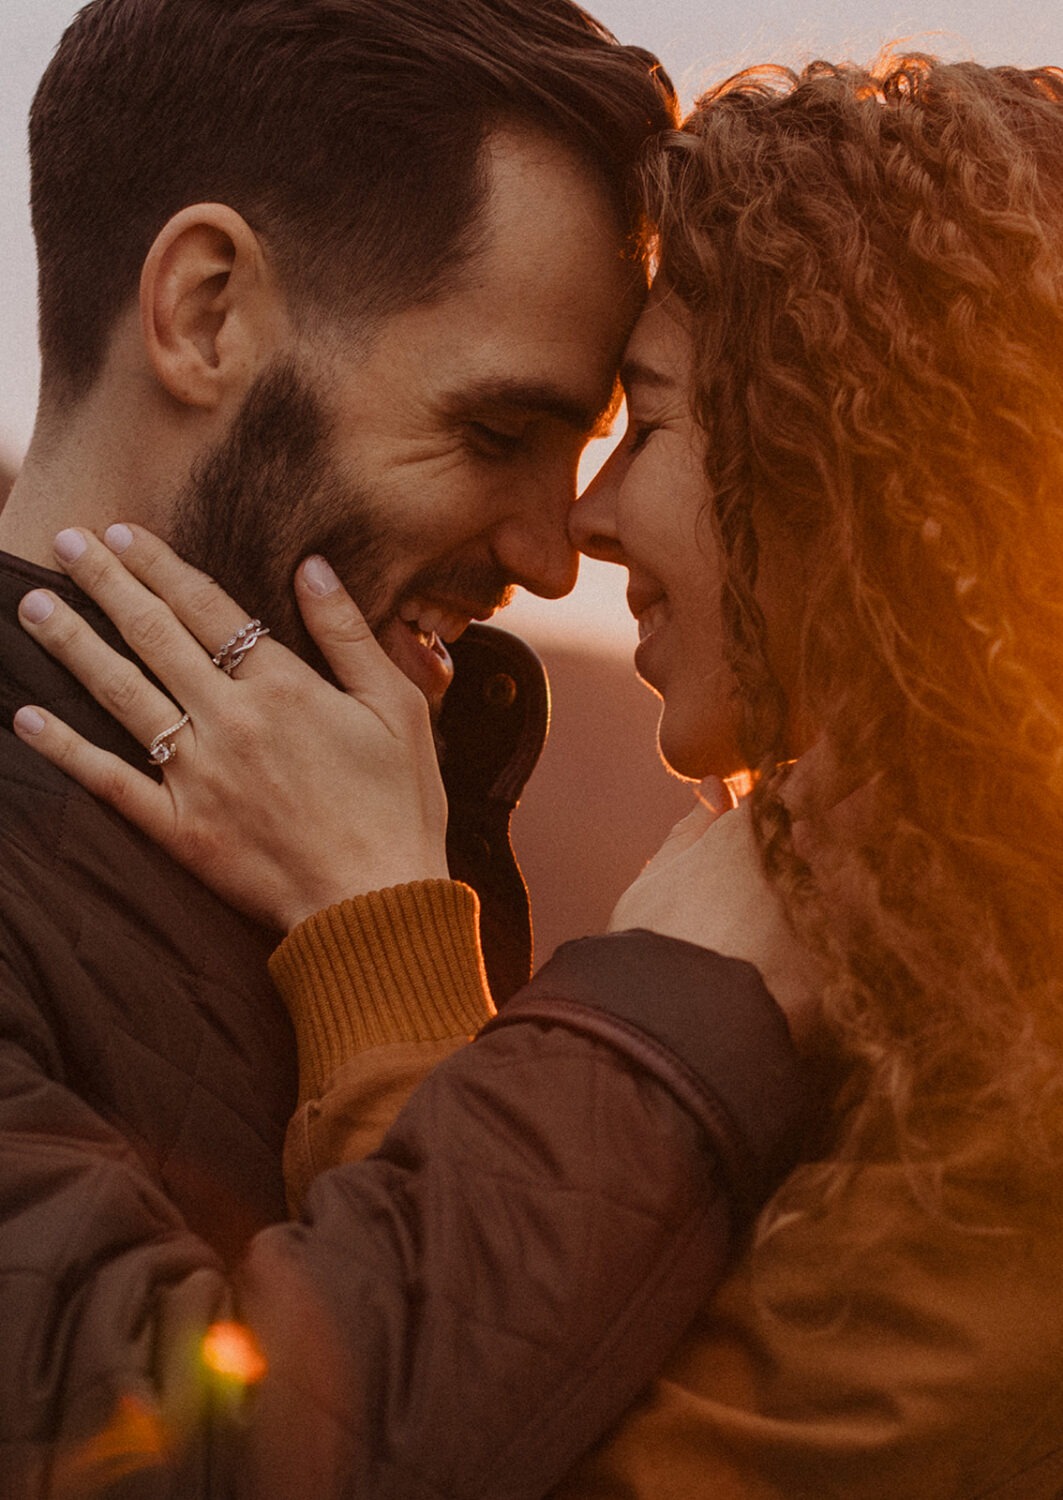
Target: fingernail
[
  {"x": 36, "y": 607},
  {"x": 29, "y": 721},
  {"x": 69, "y": 546},
  {"x": 118, "y": 538},
  {"x": 319, "y": 577}
]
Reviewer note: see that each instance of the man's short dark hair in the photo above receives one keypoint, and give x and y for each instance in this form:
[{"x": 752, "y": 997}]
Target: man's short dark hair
[{"x": 348, "y": 134}]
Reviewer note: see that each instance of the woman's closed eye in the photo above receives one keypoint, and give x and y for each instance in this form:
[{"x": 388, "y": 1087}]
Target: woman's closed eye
[{"x": 638, "y": 435}]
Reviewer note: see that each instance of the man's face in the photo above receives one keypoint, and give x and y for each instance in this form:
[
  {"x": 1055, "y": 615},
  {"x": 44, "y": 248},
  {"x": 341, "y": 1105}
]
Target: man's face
[{"x": 436, "y": 466}]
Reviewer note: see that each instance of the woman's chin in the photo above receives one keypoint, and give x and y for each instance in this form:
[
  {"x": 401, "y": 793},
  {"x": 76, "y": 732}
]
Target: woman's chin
[{"x": 692, "y": 753}]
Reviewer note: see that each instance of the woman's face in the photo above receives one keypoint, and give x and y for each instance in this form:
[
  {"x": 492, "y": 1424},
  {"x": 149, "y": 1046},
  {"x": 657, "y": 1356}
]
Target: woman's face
[{"x": 647, "y": 511}]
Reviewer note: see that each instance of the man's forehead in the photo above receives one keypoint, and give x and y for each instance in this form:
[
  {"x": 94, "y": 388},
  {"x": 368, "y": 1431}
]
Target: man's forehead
[{"x": 548, "y": 227}]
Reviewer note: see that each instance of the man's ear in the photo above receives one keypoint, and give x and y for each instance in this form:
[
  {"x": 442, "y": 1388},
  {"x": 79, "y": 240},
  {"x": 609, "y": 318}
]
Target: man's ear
[{"x": 210, "y": 308}]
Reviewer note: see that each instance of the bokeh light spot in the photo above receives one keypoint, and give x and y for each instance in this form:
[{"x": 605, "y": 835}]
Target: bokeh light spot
[{"x": 231, "y": 1351}]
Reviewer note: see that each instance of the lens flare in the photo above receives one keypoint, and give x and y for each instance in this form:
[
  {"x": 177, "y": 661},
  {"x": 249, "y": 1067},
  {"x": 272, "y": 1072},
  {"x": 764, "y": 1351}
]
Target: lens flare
[{"x": 134, "y": 1439}]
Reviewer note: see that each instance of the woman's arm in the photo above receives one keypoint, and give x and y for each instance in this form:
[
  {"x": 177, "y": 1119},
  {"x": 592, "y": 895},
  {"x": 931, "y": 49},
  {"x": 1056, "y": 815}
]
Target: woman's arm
[
  {"x": 380, "y": 990},
  {"x": 460, "y": 1315},
  {"x": 464, "y": 1312}
]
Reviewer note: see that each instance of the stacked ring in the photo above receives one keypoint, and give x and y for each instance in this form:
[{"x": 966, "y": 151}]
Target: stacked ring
[{"x": 229, "y": 656}]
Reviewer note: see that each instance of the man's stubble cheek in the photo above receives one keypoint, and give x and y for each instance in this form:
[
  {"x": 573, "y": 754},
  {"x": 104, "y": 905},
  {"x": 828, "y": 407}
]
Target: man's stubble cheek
[{"x": 268, "y": 495}]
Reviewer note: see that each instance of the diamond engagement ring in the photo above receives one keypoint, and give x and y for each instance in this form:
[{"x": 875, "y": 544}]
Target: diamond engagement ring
[
  {"x": 229, "y": 656},
  {"x": 163, "y": 747}
]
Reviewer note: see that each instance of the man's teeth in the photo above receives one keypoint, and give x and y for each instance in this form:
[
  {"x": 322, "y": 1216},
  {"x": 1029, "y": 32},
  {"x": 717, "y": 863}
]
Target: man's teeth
[{"x": 428, "y": 620}]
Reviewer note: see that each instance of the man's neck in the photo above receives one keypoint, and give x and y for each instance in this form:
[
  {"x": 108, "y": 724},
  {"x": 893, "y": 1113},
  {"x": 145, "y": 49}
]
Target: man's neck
[
  {"x": 77, "y": 474},
  {"x": 42, "y": 501}
]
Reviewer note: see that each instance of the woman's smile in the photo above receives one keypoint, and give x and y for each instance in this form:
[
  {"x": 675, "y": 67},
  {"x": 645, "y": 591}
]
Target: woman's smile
[
  {"x": 650, "y": 609},
  {"x": 645, "y": 511}
]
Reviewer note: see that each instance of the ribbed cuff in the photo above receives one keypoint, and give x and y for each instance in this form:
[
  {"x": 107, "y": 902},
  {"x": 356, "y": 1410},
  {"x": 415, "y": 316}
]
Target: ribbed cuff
[{"x": 397, "y": 965}]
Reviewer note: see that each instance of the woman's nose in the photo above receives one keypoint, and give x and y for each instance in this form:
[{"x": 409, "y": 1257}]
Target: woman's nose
[{"x": 592, "y": 520}]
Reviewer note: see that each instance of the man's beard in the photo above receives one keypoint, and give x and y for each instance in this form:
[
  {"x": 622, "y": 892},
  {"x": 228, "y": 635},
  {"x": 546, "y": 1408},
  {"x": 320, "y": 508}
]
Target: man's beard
[{"x": 270, "y": 494}]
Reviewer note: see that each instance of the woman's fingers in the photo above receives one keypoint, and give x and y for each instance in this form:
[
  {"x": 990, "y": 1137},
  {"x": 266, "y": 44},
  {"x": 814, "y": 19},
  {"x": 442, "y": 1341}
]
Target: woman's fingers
[
  {"x": 173, "y": 617},
  {"x": 117, "y": 684},
  {"x": 108, "y": 777},
  {"x": 202, "y": 606},
  {"x": 157, "y": 600},
  {"x": 340, "y": 631}
]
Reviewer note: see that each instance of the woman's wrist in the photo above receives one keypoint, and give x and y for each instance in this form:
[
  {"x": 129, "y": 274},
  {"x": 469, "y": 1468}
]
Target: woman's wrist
[
  {"x": 331, "y": 885},
  {"x": 395, "y": 965}
]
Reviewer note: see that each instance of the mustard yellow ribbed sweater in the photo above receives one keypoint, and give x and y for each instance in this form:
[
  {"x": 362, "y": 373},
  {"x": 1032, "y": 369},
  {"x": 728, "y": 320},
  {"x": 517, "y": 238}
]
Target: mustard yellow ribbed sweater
[{"x": 380, "y": 989}]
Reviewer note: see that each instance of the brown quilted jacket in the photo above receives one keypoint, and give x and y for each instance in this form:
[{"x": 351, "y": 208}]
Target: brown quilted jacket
[{"x": 462, "y": 1314}]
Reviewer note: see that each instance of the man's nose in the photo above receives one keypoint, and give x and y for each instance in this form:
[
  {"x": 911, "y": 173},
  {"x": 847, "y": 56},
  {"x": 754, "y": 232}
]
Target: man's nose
[
  {"x": 592, "y": 520},
  {"x": 537, "y": 554}
]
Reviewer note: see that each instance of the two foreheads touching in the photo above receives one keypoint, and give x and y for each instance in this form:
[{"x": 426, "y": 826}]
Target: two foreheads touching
[{"x": 347, "y": 134}]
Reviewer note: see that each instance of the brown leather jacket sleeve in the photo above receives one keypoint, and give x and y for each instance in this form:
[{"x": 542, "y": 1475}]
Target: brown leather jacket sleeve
[{"x": 881, "y": 1347}]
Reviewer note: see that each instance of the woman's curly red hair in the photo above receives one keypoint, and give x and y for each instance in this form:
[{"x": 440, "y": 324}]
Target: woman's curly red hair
[{"x": 873, "y": 262}]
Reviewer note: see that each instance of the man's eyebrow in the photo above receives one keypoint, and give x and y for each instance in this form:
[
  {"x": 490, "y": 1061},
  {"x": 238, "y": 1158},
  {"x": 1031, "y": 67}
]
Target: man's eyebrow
[{"x": 542, "y": 398}]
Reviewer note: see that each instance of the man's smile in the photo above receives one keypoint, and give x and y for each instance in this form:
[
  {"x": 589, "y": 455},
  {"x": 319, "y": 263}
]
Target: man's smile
[{"x": 447, "y": 619}]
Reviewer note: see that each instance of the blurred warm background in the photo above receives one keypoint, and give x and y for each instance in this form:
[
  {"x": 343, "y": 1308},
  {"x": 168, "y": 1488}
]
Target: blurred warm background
[{"x": 600, "y": 801}]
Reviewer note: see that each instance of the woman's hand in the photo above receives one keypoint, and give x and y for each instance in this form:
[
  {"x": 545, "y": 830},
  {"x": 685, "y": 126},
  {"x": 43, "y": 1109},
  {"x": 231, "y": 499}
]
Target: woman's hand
[
  {"x": 283, "y": 794},
  {"x": 706, "y": 885}
]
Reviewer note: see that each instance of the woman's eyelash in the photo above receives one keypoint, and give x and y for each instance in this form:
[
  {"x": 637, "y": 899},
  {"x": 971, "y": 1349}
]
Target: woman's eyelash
[{"x": 638, "y": 434}]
